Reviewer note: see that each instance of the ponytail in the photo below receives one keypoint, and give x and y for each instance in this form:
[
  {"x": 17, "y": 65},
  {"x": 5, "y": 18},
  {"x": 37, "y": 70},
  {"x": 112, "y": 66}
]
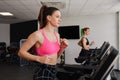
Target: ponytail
[{"x": 41, "y": 16}]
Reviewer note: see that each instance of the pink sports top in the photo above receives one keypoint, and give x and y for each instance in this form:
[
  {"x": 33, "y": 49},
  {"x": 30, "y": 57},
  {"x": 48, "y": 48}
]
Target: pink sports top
[{"x": 48, "y": 47}]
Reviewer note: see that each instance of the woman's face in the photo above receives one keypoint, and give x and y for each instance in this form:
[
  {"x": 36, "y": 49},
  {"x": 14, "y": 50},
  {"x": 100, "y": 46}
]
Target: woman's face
[
  {"x": 55, "y": 18},
  {"x": 87, "y": 31}
]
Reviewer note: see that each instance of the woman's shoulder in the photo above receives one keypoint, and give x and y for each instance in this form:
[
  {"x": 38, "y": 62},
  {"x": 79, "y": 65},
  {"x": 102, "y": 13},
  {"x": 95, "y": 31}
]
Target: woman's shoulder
[
  {"x": 36, "y": 34},
  {"x": 83, "y": 39}
]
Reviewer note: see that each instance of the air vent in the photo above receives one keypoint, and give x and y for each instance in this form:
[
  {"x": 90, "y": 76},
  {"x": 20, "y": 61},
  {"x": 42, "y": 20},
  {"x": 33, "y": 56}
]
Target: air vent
[{"x": 60, "y": 5}]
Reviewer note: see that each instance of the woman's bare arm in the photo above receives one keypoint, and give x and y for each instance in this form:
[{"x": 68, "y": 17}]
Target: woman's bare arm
[{"x": 29, "y": 43}]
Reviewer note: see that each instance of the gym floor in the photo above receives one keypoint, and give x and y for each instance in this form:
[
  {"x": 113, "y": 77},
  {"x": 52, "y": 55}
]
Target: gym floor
[{"x": 15, "y": 72}]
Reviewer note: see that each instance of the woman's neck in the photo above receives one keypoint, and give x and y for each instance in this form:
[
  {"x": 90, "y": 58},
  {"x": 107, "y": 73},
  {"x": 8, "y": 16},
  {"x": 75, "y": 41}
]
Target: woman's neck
[
  {"x": 49, "y": 29},
  {"x": 85, "y": 35}
]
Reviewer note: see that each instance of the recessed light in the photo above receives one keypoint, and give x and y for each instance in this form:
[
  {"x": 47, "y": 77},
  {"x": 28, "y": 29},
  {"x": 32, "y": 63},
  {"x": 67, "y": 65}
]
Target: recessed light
[{"x": 6, "y": 14}]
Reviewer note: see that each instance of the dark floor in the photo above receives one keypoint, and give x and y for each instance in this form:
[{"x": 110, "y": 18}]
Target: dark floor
[{"x": 15, "y": 72}]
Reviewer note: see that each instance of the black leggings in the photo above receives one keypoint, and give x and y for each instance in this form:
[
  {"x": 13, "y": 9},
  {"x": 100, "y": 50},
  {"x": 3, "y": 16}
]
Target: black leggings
[
  {"x": 44, "y": 72},
  {"x": 84, "y": 53}
]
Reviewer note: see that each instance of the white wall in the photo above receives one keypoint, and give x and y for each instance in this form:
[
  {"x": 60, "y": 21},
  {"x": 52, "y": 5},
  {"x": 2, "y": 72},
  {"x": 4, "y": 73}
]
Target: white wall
[
  {"x": 5, "y": 33},
  {"x": 103, "y": 28}
]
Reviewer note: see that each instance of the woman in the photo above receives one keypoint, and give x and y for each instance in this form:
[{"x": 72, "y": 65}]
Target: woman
[
  {"x": 84, "y": 43},
  {"x": 47, "y": 42}
]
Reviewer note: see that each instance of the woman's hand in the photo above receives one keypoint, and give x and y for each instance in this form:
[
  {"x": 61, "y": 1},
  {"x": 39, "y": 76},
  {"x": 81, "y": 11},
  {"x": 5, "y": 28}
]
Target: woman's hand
[
  {"x": 43, "y": 59},
  {"x": 63, "y": 43},
  {"x": 92, "y": 43},
  {"x": 46, "y": 59}
]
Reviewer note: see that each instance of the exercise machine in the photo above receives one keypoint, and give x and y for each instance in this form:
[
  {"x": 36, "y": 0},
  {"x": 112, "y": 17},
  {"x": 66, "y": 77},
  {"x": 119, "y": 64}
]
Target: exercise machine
[{"x": 104, "y": 64}]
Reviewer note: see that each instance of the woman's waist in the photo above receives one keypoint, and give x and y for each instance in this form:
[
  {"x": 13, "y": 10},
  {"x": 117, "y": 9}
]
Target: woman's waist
[
  {"x": 84, "y": 49},
  {"x": 44, "y": 65},
  {"x": 50, "y": 60}
]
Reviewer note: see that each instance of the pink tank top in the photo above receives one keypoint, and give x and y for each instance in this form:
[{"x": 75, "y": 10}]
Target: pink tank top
[{"x": 48, "y": 47}]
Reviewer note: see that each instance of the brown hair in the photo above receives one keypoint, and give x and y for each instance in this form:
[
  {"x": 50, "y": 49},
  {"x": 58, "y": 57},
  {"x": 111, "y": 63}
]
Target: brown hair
[
  {"x": 44, "y": 12},
  {"x": 85, "y": 29}
]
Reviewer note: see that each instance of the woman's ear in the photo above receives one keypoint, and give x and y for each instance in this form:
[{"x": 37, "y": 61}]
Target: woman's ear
[{"x": 49, "y": 18}]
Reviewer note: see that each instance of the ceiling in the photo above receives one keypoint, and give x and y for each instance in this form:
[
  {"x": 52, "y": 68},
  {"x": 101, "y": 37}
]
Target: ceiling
[{"x": 24, "y": 10}]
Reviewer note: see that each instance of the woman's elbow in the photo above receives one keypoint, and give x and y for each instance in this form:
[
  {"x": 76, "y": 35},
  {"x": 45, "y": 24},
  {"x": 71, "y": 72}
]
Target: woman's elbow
[{"x": 19, "y": 53}]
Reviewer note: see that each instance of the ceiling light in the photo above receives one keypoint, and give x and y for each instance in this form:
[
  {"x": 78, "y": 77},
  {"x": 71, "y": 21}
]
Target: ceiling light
[{"x": 6, "y": 14}]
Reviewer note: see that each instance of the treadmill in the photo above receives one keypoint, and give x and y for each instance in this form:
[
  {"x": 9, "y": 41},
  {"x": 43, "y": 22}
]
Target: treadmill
[
  {"x": 105, "y": 67},
  {"x": 89, "y": 67},
  {"x": 97, "y": 72}
]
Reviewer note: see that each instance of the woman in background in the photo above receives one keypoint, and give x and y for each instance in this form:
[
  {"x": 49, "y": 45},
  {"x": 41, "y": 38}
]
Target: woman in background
[
  {"x": 47, "y": 42},
  {"x": 84, "y": 43}
]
